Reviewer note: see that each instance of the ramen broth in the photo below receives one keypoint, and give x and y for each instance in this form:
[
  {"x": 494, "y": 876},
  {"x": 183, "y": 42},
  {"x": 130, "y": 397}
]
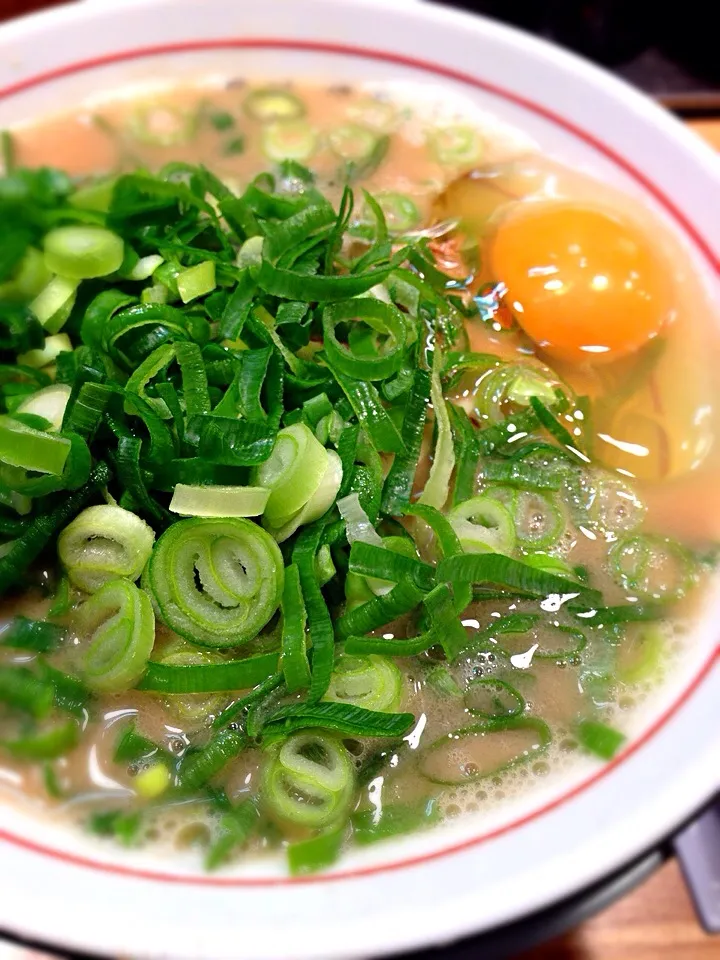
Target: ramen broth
[{"x": 646, "y": 423}]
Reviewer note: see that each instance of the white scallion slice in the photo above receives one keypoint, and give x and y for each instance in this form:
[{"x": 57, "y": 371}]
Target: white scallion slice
[{"x": 196, "y": 501}]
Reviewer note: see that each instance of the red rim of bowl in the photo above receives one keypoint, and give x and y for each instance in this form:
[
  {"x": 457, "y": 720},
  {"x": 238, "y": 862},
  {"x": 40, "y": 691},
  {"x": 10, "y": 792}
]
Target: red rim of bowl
[{"x": 539, "y": 110}]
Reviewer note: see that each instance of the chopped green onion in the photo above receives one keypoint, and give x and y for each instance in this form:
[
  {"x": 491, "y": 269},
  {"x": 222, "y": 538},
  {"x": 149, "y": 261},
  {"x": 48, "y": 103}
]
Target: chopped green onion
[
  {"x": 21, "y": 633},
  {"x": 400, "y": 478},
  {"x": 50, "y": 403},
  {"x": 599, "y": 738},
  {"x": 392, "y": 820},
  {"x": 208, "y": 678},
  {"x": 218, "y": 501},
  {"x": 133, "y": 748},
  {"x": 234, "y": 829},
  {"x": 196, "y": 769},
  {"x": 22, "y": 690},
  {"x": 54, "y": 302},
  {"x": 343, "y": 718},
  {"x": 45, "y": 745},
  {"x": 48, "y": 353},
  {"x": 83, "y": 252},
  {"x": 7, "y": 151},
  {"x": 437, "y": 488},
  {"x": 372, "y": 682},
  {"x": 303, "y": 479},
  {"x": 483, "y": 525},
  {"x": 401, "y": 212},
  {"x": 316, "y": 853},
  {"x": 22, "y": 446},
  {"x": 196, "y": 281},
  {"x": 457, "y": 145},
  {"x": 370, "y": 560},
  {"x": 489, "y": 698},
  {"x": 222, "y": 120},
  {"x": 268, "y": 105},
  {"x": 216, "y": 581},
  {"x": 69, "y": 693},
  {"x": 380, "y": 610},
  {"x": 123, "y": 827},
  {"x": 641, "y": 654},
  {"x": 103, "y": 543},
  {"x": 288, "y": 140},
  {"x": 31, "y": 542},
  {"x": 357, "y": 523},
  {"x": 442, "y": 682},
  {"x": 294, "y": 661},
  {"x": 234, "y": 146},
  {"x": 370, "y": 359},
  {"x": 309, "y": 780},
  {"x": 484, "y": 749},
  {"x": 352, "y": 142},
  {"x": 503, "y": 571},
  {"x": 162, "y": 125},
  {"x": 145, "y": 267},
  {"x": 152, "y": 782},
  {"x": 651, "y": 566},
  {"x": 539, "y": 522},
  {"x": 320, "y": 626},
  {"x": 95, "y": 196},
  {"x": 116, "y": 627}
]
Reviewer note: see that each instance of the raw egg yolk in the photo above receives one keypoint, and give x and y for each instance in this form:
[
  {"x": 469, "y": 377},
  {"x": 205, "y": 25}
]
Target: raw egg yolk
[{"x": 585, "y": 285}]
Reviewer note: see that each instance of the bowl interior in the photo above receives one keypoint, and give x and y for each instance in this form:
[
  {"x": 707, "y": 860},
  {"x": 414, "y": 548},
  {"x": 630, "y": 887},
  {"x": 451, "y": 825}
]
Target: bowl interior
[{"x": 476, "y": 872}]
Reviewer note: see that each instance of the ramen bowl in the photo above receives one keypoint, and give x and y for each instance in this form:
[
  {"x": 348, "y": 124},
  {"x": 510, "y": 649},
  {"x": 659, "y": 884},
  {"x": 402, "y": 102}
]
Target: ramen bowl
[{"x": 485, "y": 869}]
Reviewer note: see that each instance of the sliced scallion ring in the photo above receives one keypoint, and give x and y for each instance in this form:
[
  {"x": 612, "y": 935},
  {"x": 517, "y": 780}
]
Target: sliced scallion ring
[
  {"x": 401, "y": 212},
  {"x": 318, "y": 504},
  {"x": 83, "y": 252},
  {"x": 309, "y": 780},
  {"x": 162, "y": 125},
  {"x": 457, "y": 145},
  {"x": 651, "y": 566},
  {"x": 484, "y": 749},
  {"x": 269, "y": 105},
  {"x": 292, "y": 473},
  {"x": 483, "y": 525},
  {"x": 508, "y": 388},
  {"x": 116, "y": 627},
  {"x": 379, "y": 351},
  {"x": 539, "y": 521},
  {"x": 352, "y": 142},
  {"x": 103, "y": 543},
  {"x": 216, "y": 582},
  {"x": 489, "y": 697},
  {"x": 373, "y": 682},
  {"x": 377, "y": 114},
  {"x": 288, "y": 140},
  {"x": 613, "y": 506}
]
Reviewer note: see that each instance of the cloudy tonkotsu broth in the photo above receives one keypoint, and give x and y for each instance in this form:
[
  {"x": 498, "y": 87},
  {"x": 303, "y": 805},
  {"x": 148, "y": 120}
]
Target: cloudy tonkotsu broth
[{"x": 227, "y": 625}]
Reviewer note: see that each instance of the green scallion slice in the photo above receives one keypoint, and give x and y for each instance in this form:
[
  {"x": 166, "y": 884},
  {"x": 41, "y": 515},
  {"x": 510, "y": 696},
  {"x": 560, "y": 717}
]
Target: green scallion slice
[{"x": 83, "y": 252}]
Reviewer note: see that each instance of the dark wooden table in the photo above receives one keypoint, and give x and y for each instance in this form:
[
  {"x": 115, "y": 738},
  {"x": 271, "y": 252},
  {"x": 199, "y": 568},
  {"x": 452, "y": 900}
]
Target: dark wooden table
[{"x": 656, "y": 922}]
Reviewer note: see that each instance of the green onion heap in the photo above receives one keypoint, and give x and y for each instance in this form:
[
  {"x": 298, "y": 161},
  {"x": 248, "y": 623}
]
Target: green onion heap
[{"x": 215, "y": 412}]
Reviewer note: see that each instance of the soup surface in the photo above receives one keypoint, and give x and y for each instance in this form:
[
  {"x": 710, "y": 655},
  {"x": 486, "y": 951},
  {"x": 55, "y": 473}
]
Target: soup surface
[{"x": 351, "y": 475}]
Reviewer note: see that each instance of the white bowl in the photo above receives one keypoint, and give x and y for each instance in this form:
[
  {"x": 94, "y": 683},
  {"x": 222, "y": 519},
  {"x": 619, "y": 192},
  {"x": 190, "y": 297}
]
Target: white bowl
[{"x": 474, "y": 874}]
